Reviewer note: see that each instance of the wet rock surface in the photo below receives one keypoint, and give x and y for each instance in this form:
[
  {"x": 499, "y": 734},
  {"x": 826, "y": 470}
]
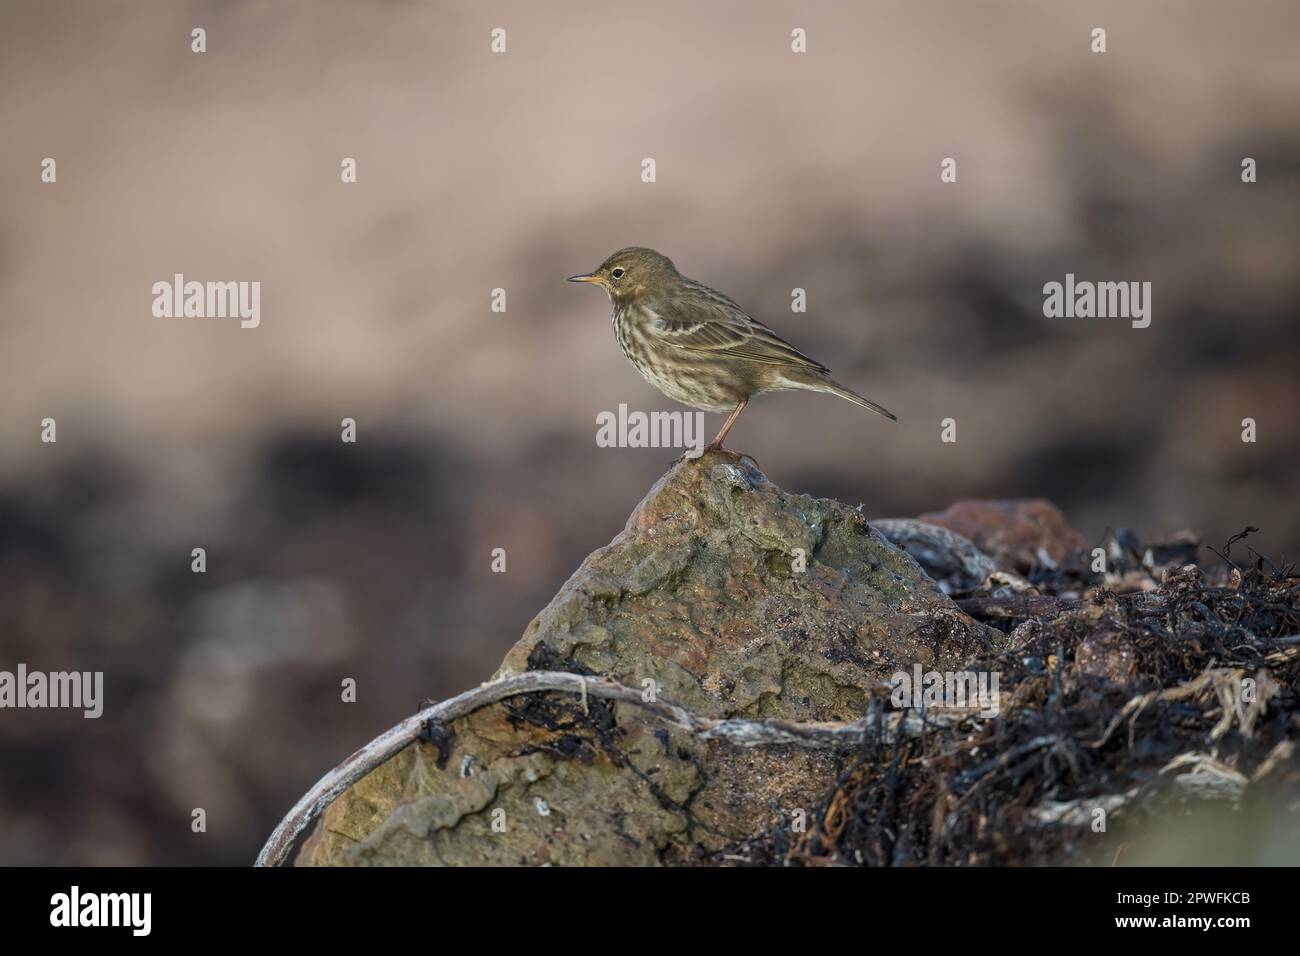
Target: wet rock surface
[{"x": 947, "y": 557}]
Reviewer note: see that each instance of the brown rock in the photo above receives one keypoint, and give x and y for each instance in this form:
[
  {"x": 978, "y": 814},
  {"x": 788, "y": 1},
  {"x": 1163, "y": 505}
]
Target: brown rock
[
  {"x": 1019, "y": 534},
  {"x": 705, "y": 594}
]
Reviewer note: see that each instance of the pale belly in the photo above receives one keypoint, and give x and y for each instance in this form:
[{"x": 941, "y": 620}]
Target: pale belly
[{"x": 699, "y": 383}]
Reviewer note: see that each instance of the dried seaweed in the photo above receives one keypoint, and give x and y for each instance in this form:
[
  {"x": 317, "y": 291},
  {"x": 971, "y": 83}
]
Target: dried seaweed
[{"x": 1126, "y": 707}]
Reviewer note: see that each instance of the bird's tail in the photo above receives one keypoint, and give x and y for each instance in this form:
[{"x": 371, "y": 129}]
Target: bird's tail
[
  {"x": 857, "y": 399},
  {"x": 824, "y": 383}
]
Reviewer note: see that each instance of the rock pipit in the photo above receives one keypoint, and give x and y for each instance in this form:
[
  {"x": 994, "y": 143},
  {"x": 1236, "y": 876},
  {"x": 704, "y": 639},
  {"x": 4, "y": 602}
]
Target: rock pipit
[{"x": 696, "y": 345}]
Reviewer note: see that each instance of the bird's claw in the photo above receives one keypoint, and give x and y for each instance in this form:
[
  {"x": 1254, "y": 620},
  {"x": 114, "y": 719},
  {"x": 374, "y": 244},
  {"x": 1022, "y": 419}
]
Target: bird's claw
[{"x": 693, "y": 453}]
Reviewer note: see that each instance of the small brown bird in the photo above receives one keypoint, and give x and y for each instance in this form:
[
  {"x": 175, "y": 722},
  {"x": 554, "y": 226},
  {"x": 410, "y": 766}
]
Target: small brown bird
[{"x": 696, "y": 345}]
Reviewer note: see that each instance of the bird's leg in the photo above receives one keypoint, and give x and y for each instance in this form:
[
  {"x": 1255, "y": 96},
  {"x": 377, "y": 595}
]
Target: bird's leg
[{"x": 716, "y": 444}]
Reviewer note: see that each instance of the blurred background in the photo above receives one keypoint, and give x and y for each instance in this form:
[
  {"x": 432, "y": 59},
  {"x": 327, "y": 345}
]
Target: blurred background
[{"x": 476, "y": 430}]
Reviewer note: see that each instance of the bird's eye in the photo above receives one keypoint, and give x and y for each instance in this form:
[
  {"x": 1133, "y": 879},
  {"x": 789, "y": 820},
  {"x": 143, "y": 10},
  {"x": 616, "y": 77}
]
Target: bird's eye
[{"x": 617, "y": 273}]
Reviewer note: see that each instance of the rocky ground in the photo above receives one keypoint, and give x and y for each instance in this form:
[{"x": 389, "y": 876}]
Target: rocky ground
[{"x": 1145, "y": 705}]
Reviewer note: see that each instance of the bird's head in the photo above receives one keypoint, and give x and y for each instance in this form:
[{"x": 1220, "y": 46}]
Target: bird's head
[{"x": 631, "y": 273}]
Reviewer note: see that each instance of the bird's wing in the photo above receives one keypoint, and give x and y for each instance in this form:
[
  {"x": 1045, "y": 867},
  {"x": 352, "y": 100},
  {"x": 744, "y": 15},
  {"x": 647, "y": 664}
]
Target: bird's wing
[{"x": 699, "y": 319}]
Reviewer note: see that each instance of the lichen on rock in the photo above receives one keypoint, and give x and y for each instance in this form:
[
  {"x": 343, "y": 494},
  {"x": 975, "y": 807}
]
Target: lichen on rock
[{"x": 724, "y": 595}]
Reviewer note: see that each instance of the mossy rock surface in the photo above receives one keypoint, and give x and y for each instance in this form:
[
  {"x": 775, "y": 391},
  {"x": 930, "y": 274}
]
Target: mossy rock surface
[{"x": 736, "y": 600}]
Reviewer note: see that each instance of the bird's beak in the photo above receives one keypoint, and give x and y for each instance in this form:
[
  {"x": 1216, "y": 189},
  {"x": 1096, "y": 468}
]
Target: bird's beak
[{"x": 586, "y": 278}]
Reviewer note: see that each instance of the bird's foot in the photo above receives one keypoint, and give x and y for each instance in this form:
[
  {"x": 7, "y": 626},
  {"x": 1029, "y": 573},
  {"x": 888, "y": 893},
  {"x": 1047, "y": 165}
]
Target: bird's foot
[{"x": 693, "y": 453}]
